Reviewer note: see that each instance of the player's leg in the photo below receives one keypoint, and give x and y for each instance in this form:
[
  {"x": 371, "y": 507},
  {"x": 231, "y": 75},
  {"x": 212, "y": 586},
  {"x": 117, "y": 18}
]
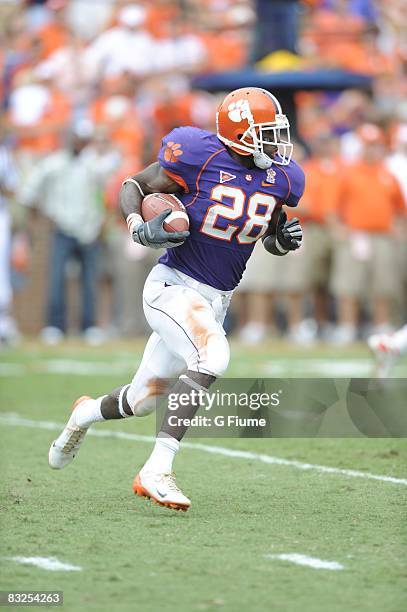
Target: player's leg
[
  {"x": 256, "y": 288},
  {"x": 88, "y": 255},
  {"x": 137, "y": 398},
  {"x": 192, "y": 325},
  {"x": 387, "y": 349},
  {"x": 349, "y": 284},
  {"x": 156, "y": 479},
  {"x": 149, "y": 385},
  {"x": 62, "y": 249},
  {"x": 8, "y": 329}
]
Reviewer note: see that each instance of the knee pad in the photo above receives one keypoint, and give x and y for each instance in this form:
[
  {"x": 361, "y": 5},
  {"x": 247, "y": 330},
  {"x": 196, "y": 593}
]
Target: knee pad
[
  {"x": 145, "y": 407},
  {"x": 143, "y": 400},
  {"x": 215, "y": 358}
]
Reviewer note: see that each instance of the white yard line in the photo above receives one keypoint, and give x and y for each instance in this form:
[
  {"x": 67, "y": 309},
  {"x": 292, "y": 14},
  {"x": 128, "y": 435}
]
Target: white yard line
[
  {"x": 294, "y": 368},
  {"x": 69, "y": 366},
  {"x": 313, "y": 562},
  {"x": 84, "y": 368},
  {"x": 334, "y": 368},
  {"x": 47, "y": 563},
  {"x": 15, "y": 420},
  {"x": 330, "y": 368},
  {"x": 12, "y": 369}
]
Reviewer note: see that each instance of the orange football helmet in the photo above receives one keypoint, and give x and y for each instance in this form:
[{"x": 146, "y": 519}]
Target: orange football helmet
[{"x": 249, "y": 118}]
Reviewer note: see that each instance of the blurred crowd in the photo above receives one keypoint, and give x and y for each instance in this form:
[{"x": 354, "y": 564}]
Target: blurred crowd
[{"x": 88, "y": 89}]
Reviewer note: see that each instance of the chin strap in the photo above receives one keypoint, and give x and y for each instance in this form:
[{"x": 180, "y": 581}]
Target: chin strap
[{"x": 262, "y": 160}]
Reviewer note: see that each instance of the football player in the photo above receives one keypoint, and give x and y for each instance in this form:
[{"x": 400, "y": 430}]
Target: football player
[
  {"x": 234, "y": 185},
  {"x": 387, "y": 350}
]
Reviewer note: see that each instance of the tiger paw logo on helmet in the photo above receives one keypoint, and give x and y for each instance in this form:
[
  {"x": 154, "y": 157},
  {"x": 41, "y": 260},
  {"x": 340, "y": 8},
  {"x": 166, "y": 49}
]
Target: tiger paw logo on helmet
[
  {"x": 172, "y": 152},
  {"x": 239, "y": 110}
]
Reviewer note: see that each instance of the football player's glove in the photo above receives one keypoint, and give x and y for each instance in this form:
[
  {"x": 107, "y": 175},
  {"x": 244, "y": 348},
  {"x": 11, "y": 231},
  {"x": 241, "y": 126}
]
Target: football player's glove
[
  {"x": 152, "y": 233},
  {"x": 288, "y": 233}
]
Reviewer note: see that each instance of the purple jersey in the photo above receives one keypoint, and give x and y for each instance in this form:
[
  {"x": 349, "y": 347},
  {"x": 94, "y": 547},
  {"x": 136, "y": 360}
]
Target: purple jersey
[{"x": 229, "y": 206}]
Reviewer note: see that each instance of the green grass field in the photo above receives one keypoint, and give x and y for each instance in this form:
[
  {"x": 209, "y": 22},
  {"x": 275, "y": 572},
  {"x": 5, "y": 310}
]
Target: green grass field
[{"x": 135, "y": 555}]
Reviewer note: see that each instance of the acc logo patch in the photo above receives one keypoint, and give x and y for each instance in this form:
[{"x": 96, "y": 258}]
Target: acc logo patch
[
  {"x": 172, "y": 152},
  {"x": 271, "y": 176}
]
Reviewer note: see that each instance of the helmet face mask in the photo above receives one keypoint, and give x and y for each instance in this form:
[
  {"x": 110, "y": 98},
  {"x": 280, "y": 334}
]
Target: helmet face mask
[
  {"x": 274, "y": 134},
  {"x": 250, "y": 122}
]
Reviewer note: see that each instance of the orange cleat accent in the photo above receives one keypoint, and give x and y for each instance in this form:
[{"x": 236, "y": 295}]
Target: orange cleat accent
[{"x": 142, "y": 492}]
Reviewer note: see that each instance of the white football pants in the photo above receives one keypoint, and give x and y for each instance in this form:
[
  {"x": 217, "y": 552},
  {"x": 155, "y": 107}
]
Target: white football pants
[{"x": 186, "y": 318}]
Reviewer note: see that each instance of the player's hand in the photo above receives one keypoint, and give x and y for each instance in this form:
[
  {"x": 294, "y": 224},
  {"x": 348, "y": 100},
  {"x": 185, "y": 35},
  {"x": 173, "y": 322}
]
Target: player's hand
[
  {"x": 152, "y": 233},
  {"x": 289, "y": 233}
]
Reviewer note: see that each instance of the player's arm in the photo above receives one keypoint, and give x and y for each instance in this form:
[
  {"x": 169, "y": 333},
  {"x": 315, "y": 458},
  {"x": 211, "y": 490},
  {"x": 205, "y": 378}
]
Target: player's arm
[
  {"x": 152, "y": 179},
  {"x": 282, "y": 236}
]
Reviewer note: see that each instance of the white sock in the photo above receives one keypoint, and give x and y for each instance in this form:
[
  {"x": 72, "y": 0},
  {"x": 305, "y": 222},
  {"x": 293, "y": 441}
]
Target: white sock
[
  {"x": 88, "y": 412},
  {"x": 163, "y": 454},
  {"x": 399, "y": 340}
]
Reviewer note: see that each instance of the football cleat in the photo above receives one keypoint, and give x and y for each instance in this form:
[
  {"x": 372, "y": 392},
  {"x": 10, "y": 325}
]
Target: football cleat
[
  {"x": 161, "y": 488},
  {"x": 385, "y": 354},
  {"x": 66, "y": 446}
]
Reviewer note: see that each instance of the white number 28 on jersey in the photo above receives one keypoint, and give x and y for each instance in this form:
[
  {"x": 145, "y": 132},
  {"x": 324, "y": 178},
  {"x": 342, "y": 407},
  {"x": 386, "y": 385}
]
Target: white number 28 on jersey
[{"x": 235, "y": 211}]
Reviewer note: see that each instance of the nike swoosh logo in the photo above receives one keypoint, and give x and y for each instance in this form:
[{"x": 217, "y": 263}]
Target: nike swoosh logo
[
  {"x": 167, "y": 285},
  {"x": 161, "y": 494}
]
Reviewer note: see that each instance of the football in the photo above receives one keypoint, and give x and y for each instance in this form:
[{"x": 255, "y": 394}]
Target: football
[{"x": 155, "y": 203}]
